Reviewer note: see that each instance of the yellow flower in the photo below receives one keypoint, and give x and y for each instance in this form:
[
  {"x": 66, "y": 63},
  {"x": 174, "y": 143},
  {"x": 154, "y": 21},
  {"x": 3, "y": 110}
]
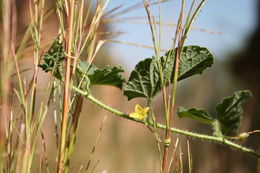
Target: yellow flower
[{"x": 140, "y": 113}]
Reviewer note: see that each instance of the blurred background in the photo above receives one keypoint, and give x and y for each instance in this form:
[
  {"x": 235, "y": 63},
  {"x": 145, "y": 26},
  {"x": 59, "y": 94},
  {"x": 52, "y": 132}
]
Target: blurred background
[{"x": 229, "y": 29}]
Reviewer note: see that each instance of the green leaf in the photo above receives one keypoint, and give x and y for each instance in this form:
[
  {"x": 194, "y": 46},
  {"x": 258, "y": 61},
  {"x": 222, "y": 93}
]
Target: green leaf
[
  {"x": 145, "y": 82},
  {"x": 194, "y": 60},
  {"x": 230, "y": 111},
  {"x": 197, "y": 114},
  {"x": 84, "y": 68},
  {"x": 110, "y": 75},
  {"x": 53, "y": 59},
  {"x": 82, "y": 71},
  {"x": 228, "y": 116}
]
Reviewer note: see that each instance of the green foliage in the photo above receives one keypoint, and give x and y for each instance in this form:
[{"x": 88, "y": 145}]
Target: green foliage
[
  {"x": 197, "y": 114},
  {"x": 145, "y": 82},
  {"x": 194, "y": 60},
  {"x": 229, "y": 113},
  {"x": 84, "y": 68},
  {"x": 109, "y": 75},
  {"x": 53, "y": 59}
]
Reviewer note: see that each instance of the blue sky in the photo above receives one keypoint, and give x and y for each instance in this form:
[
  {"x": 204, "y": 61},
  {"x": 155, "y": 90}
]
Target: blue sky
[{"x": 233, "y": 18}]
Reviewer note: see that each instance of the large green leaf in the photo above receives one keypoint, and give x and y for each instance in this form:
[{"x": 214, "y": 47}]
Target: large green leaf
[
  {"x": 228, "y": 116},
  {"x": 230, "y": 111},
  {"x": 194, "y": 60},
  {"x": 145, "y": 82}
]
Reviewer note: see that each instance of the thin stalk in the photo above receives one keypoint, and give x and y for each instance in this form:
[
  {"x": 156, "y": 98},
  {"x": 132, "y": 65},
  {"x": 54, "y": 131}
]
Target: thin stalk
[
  {"x": 125, "y": 20},
  {"x": 157, "y": 53},
  {"x": 154, "y": 131},
  {"x": 20, "y": 149},
  {"x": 131, "y": 8},
  {"x": 134, "y": 44},
  {"x": 151, "y": 24},
  {"x": 6, "y": 67},
  {"x": 94, "y": 24},
  {"x": 74, "y": 127},
  {"x": 189, "y": 157},
  {"x": 160, "y": 27},
  {"x": 66, "y": 99},
  {"x": 193, "y": 17},
  {"x": 36, "y": 13},
  {"x": 167, "y": 142},
  {"x": 173, "y": 155},
  {"x": 45, "y": 153},
  {"x": 95, "y": 144},
  {"x": 181, "y": 161}
]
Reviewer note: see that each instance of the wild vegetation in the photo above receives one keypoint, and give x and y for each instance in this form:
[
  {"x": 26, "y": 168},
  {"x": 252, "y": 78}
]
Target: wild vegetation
[{"x": 69, "y": 62}]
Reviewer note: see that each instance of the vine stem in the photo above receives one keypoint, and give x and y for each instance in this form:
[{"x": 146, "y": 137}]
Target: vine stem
[{"x": 220, "y": 140}]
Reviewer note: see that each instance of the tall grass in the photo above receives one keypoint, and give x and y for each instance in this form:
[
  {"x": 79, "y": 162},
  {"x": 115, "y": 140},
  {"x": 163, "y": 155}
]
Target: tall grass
[{"x": 21, "y": 127}]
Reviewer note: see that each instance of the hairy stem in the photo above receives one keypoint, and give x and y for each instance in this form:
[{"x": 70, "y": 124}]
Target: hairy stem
[{"x": 220, "y": 140}]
